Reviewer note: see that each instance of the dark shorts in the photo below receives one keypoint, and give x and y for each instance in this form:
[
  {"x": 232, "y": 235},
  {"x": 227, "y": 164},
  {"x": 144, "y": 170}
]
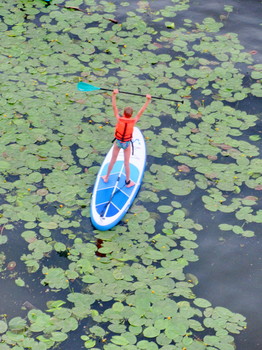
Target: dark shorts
[{"x": 123, "y": 145}]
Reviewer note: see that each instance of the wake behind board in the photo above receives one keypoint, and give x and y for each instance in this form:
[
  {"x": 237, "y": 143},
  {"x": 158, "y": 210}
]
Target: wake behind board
[{"x": 111, "y": 200}]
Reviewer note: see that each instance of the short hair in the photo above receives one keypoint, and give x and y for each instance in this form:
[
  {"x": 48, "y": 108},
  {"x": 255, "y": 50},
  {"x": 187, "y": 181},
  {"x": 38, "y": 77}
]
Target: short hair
[{"x": 128, "y": 111}]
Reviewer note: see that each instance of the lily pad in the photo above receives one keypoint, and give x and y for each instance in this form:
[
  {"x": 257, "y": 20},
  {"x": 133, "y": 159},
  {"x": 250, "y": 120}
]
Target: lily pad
[
  {"x": 119, "y": 340},
  {"x": 3, "y": 326},
  {"x": 203, "y": 303},
  {"x": 19, "y": 282},
  {"x": 17, "y": 324}
]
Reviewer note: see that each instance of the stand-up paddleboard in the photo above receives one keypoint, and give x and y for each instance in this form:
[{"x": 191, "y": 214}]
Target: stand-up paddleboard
[{"x": 111, "y": 200}]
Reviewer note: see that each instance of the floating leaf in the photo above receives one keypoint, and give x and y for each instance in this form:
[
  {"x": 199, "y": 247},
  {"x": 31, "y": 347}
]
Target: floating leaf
[
  {"x": 98, "y": 331},
  {"x": 58, "y": 336},
  {"x": 225, "y": 227},
  {"x": 151, "y": 332},
  {"x": 17, "y": 324},
  {"x": 49, "y": 225},
  {"x": 34, "y": 177},
  {"x": 3, "y": 239},
  {"x": 90, "y": 279},
  {"x": 202, "y": 302},
  {"x": 254, "y": 137},
  {"x": 60, "y": 247},
  {"x": 3, "y": 326},
  {"x": 256, "y": 75},
  {"x": 184, "y": 168},
  {"x": 55, "y": 278},
  {"x": 90, "y": 343},
  {"x": 164, "y": 209},
  {"x": 4, "y": 165},
  {"x": 119, "y": 340},
  {"x": 170, "y": 25},
  {"x": 19, "y": 282},
  {"x": 11, "y": 265},
  {"x": 147, "y": 345}
]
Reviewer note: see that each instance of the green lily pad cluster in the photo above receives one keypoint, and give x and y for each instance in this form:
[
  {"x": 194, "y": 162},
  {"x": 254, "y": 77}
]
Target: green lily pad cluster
[
  {"x": 150, "y": 298},
  {"x": 129, "y": 287},
  {"x": 54, "y": 328}
]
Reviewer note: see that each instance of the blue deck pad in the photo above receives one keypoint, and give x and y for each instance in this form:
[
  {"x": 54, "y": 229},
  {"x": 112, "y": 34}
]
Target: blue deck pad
[
  {"x": 122, "y": 193},
  {"x": 111, "y": 210},
  {"x": 116, "y": 169}
]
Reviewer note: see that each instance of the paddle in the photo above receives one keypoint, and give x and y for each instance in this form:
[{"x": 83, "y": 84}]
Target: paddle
[{"x": 88, "y": 87}]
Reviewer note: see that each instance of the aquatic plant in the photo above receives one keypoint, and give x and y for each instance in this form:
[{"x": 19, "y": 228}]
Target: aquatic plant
[{"x": 131, "y": 290}]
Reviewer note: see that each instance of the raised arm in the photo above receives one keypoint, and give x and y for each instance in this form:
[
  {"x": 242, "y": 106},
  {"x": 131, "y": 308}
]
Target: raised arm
[
  {"x": 148, "y": 99},
  {"x": 115, "y": 92}
]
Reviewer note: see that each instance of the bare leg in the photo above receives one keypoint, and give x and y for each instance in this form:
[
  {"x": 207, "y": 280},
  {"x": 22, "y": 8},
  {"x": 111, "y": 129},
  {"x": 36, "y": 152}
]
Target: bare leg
[
  {"x": 112, "y": 162},
  {"x": 127, "y": 153}
]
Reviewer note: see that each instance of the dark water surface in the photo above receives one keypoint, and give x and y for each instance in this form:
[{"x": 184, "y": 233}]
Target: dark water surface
[
  {"x": 229, "y": 271},
  {"x": 230, "y": 267},
  {"x": 245, "y": 20}
]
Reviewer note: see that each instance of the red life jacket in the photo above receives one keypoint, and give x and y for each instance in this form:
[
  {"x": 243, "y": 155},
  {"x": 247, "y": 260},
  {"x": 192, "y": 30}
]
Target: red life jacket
[{"x": 124, "y": 129}]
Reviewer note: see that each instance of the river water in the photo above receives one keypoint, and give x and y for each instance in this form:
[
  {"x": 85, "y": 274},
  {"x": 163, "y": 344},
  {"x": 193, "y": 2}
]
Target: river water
[{"x": 229, "y": 267}]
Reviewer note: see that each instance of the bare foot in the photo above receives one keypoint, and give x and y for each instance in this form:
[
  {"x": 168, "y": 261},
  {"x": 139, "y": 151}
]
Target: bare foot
[
  {"x": 105, "y": 178},
  {"x": 130, "y": 183}
]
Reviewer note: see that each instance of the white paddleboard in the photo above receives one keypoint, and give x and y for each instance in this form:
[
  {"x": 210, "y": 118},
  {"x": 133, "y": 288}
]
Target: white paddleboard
[{"x": 111, "y": 200}]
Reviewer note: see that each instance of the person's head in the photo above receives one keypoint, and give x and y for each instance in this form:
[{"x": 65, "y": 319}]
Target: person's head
[{"x": 128, "y": 111}]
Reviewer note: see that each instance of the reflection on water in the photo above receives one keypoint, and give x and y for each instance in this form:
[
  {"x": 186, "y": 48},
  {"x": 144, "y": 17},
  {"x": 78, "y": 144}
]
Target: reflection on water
[{"x": 99, "y": 244}]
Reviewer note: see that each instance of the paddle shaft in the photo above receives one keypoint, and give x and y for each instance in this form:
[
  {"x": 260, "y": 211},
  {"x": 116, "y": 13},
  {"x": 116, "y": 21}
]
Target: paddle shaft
[{"x": 133, "y": 93}]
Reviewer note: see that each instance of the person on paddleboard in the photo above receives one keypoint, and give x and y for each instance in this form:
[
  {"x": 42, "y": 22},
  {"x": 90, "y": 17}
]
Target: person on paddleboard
[{"x": 123, "y": 136}]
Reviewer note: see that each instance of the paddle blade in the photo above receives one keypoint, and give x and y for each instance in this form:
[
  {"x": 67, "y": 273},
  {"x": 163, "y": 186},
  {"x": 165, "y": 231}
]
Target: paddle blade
[{"x": 86, "y": 87}]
